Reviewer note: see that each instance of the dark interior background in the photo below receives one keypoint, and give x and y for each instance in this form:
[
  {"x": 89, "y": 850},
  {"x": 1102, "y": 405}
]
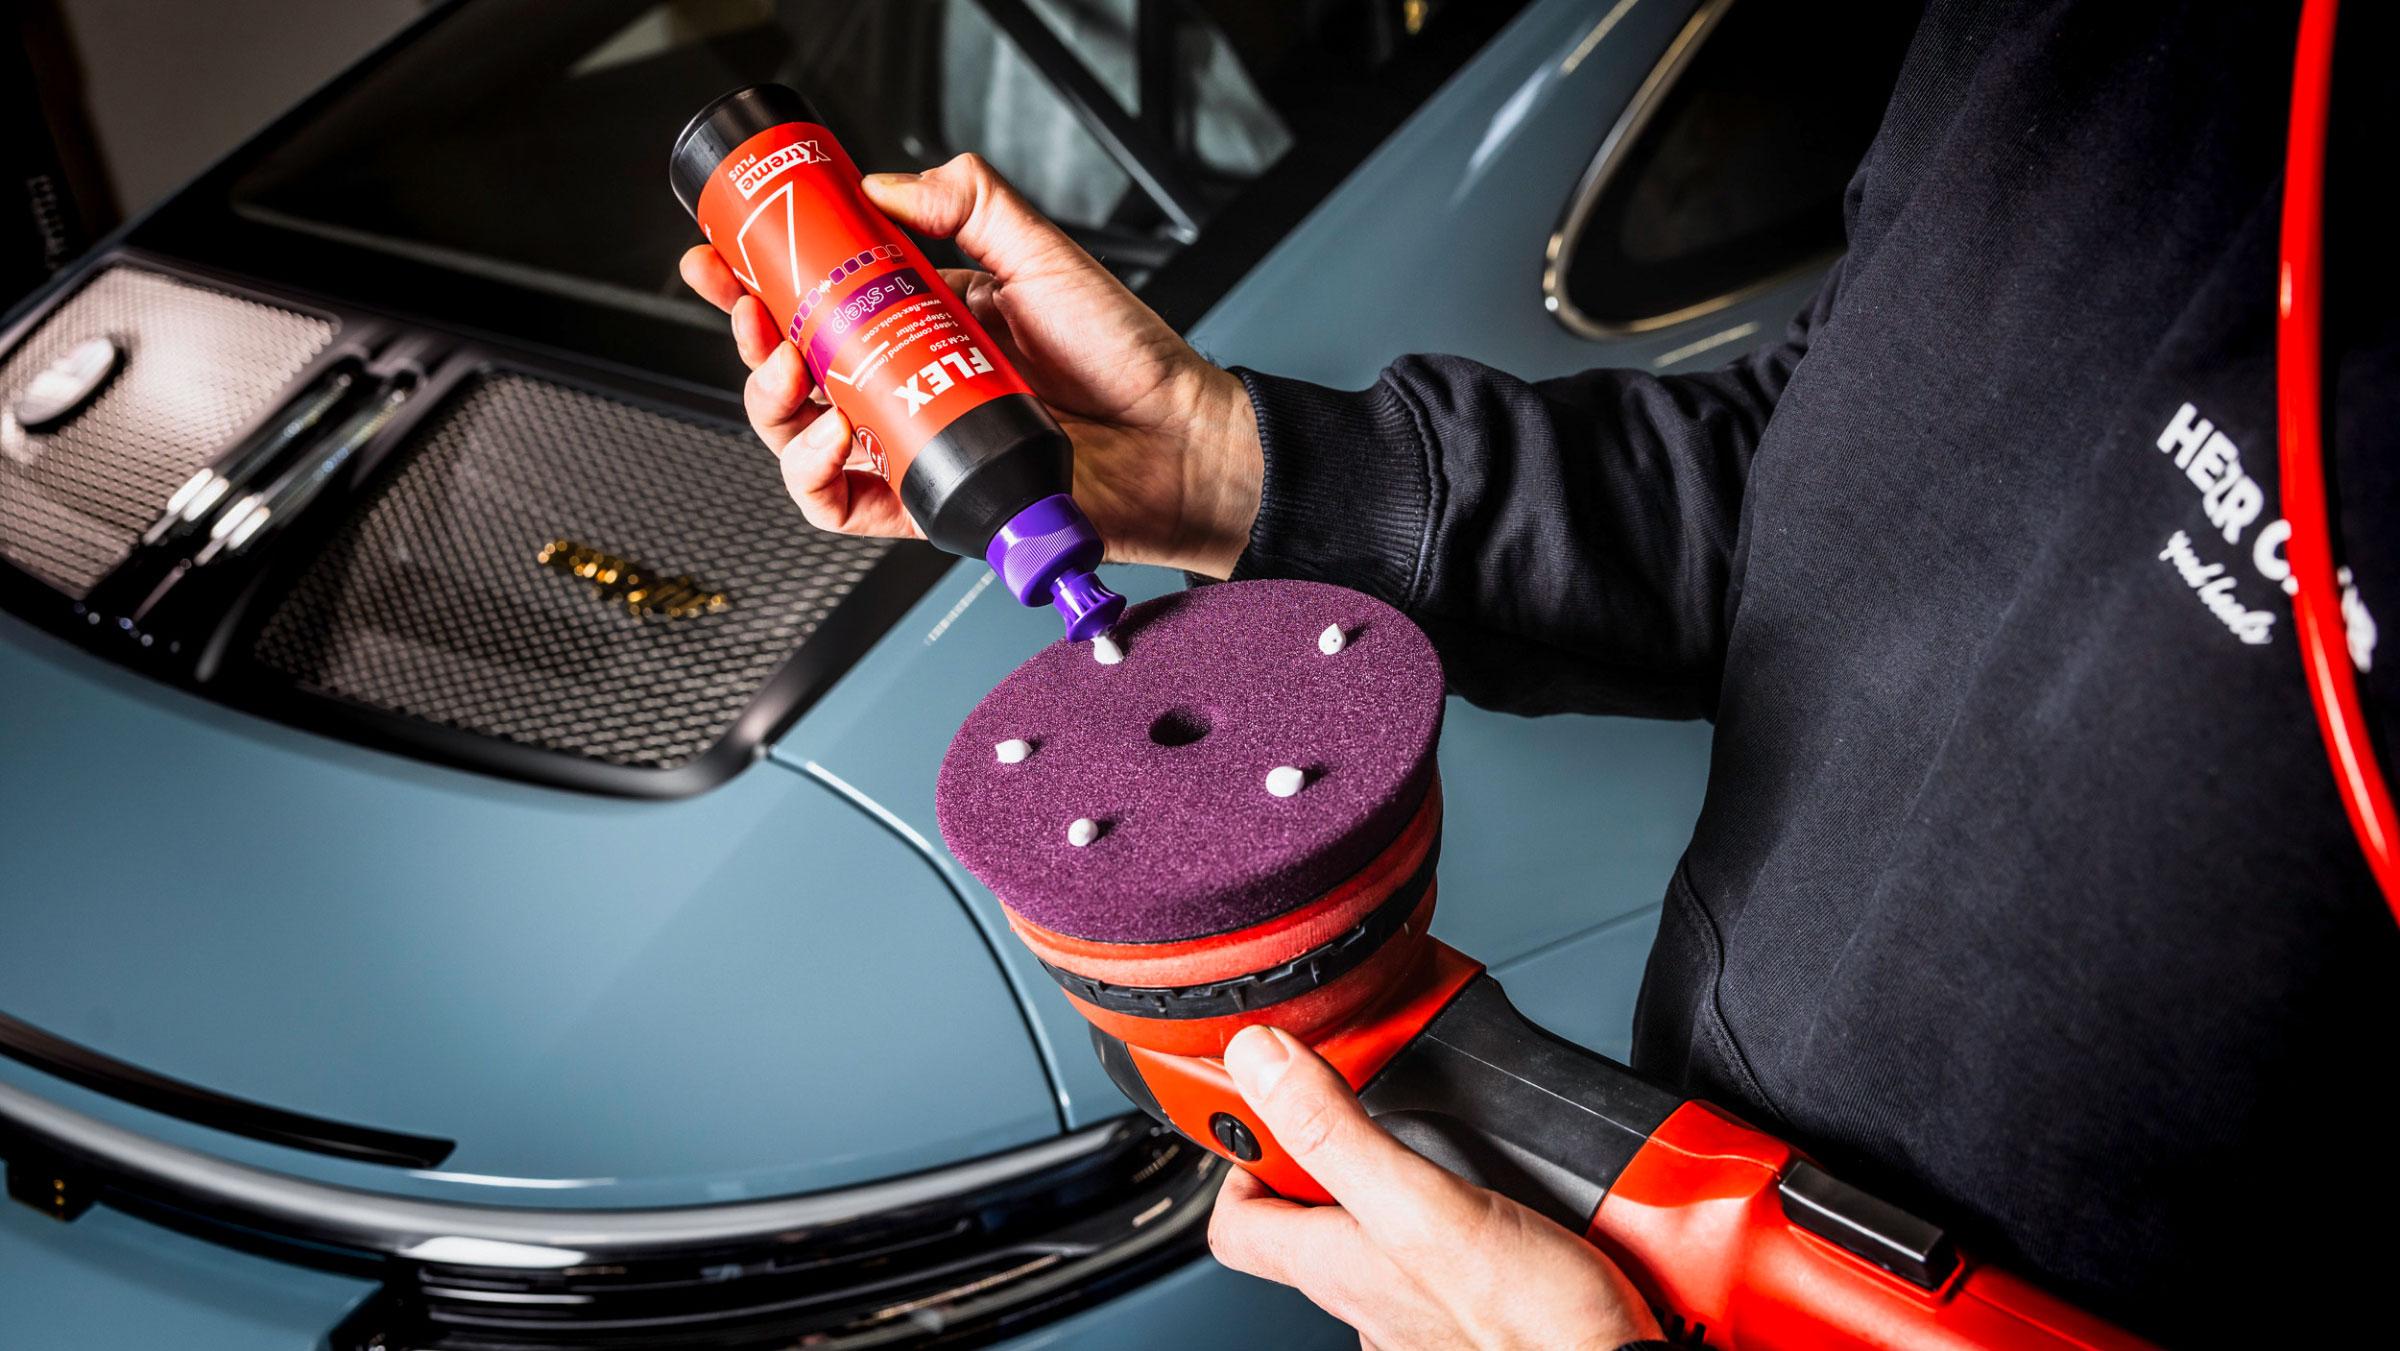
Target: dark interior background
[{"x": 108, "y": 105}]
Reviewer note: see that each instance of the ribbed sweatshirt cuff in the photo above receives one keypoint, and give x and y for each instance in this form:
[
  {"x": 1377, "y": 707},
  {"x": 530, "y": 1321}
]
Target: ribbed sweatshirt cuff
[{"x": 1348, "y": 492}]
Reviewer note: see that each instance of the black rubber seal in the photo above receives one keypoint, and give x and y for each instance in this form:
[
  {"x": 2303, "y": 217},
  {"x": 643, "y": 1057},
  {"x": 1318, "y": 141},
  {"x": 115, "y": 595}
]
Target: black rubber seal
[
  {"x": 720, "y": 128},
  {"x": 1317, "y": 967}
]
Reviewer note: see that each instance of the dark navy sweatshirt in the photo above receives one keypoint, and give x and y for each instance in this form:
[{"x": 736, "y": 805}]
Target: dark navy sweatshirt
[{"x": 2022, "y": 890}]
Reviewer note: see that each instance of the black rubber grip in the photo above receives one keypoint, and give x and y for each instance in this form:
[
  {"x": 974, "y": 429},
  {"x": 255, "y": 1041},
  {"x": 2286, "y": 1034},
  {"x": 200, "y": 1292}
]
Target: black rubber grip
[{"x": 1502, "y": 1103}]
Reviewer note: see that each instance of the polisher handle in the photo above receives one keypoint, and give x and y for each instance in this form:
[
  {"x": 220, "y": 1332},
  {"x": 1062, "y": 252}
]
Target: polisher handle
[{"x": 1734, "y": 1236}]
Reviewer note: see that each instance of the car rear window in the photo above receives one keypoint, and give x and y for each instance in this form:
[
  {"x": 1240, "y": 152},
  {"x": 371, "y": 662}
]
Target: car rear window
[{"x": 528, "y": 142}]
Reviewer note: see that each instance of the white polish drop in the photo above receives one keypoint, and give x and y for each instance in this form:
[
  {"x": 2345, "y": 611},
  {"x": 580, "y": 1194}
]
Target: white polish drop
[
  {"x": 1284, "y": 781},
  {"x": 1332, "y": 640},
  {"x": 1013, "y": 751},
  {"x": 1083, "y": 831},
  {"x": 1106, "y": 652}
]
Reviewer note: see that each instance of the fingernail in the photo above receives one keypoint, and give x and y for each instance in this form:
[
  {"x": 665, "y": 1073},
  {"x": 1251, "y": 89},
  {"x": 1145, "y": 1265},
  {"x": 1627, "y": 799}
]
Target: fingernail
[
  {"x": 1256, "y": 1058},
  {"x": 825, "y": 433},
  {"x": 890, "y": 178}
]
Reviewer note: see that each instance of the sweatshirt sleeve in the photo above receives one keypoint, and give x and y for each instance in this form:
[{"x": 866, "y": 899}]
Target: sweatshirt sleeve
[{"x": 1566, "y": 543}]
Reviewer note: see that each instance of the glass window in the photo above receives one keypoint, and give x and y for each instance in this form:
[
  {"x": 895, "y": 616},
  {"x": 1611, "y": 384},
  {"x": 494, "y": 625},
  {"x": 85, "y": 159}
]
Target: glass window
[
  {"x": 527, "y": 141},
  {"x": 1731, "y": 175}
]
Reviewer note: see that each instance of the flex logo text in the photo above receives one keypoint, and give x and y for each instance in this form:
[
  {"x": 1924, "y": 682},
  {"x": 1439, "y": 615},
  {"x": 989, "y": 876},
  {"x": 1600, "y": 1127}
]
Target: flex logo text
[{"x": 933, "y": 379}]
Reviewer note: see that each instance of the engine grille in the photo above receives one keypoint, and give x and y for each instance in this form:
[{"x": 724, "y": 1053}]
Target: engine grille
[
  {"x": 200, "y": 365},
  {"x": 451, "y": 596}
]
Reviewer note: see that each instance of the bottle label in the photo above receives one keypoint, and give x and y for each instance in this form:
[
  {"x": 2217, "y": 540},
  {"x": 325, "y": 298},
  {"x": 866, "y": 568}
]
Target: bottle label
[{"x": 888, "y": 341}]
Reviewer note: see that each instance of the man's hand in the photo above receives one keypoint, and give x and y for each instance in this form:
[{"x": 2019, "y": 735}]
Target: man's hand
[
  {"x": 1412, "y": 1256},
  {"x": 1167, "y": 461}
]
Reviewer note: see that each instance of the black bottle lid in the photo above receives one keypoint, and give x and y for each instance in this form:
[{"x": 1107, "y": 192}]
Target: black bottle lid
[{"x": 718, "y": 129}]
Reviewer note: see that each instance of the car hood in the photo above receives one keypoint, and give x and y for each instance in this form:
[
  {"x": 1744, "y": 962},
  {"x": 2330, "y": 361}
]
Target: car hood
[{"x": 756, "y": 991}]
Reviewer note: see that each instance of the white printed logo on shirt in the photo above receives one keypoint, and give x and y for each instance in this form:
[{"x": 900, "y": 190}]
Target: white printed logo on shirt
[{"x": 2230, "y": 503}]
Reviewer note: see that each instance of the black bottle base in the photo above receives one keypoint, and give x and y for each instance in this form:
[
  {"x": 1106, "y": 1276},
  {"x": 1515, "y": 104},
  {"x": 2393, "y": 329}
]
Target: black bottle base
[{"x": 984, "y": 468}]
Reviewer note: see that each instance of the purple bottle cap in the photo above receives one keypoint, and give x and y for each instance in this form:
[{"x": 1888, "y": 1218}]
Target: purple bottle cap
[{"x": 1047, "y": 552}]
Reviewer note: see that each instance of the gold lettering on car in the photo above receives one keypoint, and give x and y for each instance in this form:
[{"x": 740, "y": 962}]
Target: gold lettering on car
[{"x": 634, "y": 585}]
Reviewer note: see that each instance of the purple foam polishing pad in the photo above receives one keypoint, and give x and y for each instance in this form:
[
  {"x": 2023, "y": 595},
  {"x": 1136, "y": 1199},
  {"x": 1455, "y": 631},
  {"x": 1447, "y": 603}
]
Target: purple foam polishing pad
[{"x": 1257, "y": 743}]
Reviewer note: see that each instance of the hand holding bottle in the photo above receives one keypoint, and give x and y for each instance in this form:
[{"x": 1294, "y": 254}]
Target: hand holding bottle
[{"x": 1167, "y": 459}]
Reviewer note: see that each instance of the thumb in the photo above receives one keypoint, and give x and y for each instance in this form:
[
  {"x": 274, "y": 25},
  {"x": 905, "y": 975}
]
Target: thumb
[
  {"x": 1392, "y": 1191},
  {"x": 968, "y": 201}
]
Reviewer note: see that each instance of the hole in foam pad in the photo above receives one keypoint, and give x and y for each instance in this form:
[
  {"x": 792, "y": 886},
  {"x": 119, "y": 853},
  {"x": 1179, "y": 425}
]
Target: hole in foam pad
[{"x": 1180, "y": 726}]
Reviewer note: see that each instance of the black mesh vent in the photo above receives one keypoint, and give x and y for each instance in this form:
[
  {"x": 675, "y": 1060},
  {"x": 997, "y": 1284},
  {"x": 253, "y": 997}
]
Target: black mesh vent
[
  {"x": 199, "y": 366},
  {"x": 433, "y": 602}
]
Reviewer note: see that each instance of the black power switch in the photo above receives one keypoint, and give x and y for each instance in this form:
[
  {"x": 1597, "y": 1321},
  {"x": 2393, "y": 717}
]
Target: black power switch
[
  {"x": 1235, "y": 1136},
  {"x": 1876, "y": 1231}
]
